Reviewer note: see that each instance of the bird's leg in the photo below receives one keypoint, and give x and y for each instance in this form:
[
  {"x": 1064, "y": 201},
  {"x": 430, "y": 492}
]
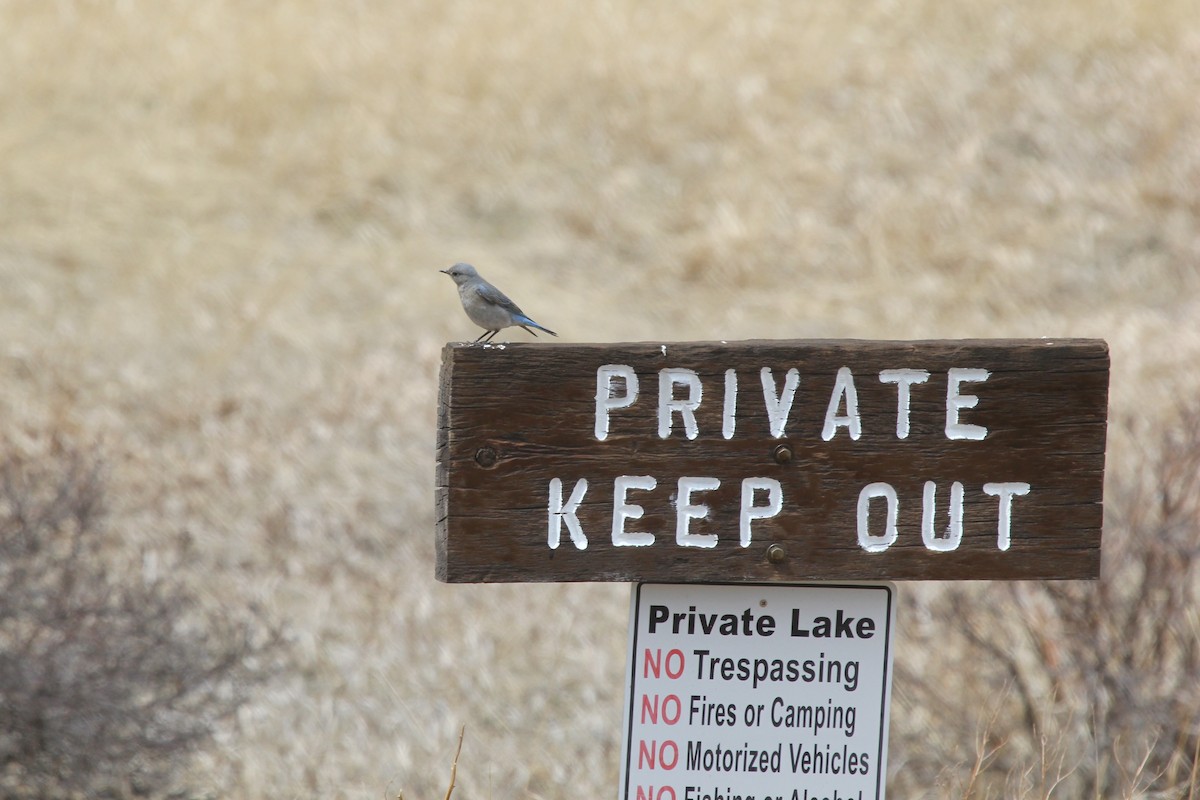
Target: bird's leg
[
  {"x": 491, "y": 335},
  {"x": 480, "y": 337}
]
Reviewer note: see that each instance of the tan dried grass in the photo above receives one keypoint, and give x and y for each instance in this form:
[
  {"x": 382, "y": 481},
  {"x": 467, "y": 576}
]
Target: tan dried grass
[{"x": 220, "y": 225}]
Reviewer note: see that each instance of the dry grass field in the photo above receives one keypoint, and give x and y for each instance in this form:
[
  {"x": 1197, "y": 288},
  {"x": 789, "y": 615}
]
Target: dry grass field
[{"x": 220, "y": 230}]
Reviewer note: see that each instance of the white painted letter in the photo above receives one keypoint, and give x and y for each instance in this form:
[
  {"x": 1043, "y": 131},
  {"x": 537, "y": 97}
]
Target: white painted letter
[
  {"x": 606, "y": 401},
  {"x": 1006, "y": 492},
  {"x": 903, "y": 378},
  {"x": 729, "y": 410},
  {"x": 842, "y": 387},
  {"x": 667, "y": 404},
  {"x": 778, "y": 407},
  {"x": 686, "y": 512},
  {"x": 750, "y": 511},
  {"x": 877, "y": 544},
  {"x": 955, "y": 531},
  {"x": 558, "y": 514},
  {"x": 956, "y": 401},
  {"x": 623, "y": 511}
]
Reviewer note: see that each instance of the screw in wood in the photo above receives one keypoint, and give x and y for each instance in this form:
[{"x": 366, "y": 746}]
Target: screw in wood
[
  {"x": 776, "y": 554},
  {"x": 783, "y": 453},
  {"x": 485, "y": 457}
]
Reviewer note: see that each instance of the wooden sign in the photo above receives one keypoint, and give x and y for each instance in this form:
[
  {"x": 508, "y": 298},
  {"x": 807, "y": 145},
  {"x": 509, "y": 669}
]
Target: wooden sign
[{"x": 771, "y": 461}]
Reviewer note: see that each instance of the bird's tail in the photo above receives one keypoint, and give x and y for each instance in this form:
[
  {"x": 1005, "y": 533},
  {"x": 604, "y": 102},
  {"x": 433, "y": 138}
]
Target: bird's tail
[{"x": 527, "y": 323}]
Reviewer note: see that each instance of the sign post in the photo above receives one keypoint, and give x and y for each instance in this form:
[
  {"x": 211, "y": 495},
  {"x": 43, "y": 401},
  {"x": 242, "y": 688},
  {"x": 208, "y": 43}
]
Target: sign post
[{"x": 740, "y": 473}]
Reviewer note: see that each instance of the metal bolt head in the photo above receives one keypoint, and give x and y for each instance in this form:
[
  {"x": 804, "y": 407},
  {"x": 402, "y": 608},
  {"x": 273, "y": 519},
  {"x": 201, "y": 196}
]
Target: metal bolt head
[
  {"x": 485, "y": 457},
  {"x": 783, "y": 453},
  {"x": 776, "y": 554}
]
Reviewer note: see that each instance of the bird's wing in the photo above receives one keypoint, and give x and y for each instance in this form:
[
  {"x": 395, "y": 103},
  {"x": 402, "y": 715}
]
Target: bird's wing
[{"x": 496, "y": 297}]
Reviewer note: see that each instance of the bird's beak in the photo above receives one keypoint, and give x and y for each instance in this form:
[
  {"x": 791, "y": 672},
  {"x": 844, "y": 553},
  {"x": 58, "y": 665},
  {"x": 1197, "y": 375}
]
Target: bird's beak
[{"x": 445, "y": 271}]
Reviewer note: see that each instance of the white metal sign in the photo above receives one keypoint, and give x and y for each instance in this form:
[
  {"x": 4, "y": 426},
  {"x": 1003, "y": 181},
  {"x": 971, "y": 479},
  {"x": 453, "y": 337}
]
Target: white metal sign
[{"x": 757, "y": 692}]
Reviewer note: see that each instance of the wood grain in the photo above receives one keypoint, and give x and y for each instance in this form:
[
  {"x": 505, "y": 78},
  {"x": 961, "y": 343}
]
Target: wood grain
[{"x": 513, "y": 417}]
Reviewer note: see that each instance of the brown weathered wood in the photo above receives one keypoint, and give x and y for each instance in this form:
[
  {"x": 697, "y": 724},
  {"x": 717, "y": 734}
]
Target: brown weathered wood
[{"x": 512, "y": 417}]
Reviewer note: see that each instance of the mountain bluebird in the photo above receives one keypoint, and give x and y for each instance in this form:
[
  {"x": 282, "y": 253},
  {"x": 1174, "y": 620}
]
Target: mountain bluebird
[{"x": 487, "y": 306}]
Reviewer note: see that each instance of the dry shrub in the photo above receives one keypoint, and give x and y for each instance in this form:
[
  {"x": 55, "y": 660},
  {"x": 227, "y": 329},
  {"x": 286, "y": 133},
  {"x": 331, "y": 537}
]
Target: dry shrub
[
  {"x": 109, "y": 679},
  {"x": 1094, "y": 687}
]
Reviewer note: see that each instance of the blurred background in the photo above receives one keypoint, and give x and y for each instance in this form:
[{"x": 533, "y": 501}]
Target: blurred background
[{"x": 221, "y": 322}]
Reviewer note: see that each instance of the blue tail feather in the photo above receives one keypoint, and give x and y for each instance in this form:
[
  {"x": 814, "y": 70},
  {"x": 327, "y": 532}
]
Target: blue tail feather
[{"x": 526, "y": 322}]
